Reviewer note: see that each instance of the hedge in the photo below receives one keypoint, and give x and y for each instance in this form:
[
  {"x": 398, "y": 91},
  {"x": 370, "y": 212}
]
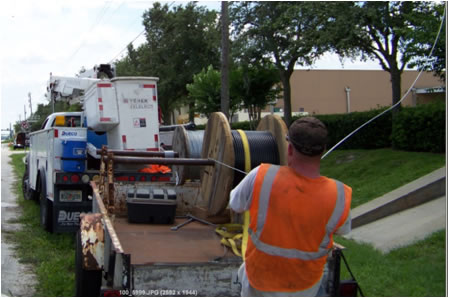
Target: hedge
[
  {"x": 376, "y": 134},
  {"x": 421, "y": 128}
]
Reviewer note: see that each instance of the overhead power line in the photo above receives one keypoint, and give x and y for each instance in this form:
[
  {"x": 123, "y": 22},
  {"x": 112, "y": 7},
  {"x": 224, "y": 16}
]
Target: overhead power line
[
  {"x": 403, "y": 97},
  {"x": 98, "y": 19},
  {"x": 134, "y": 39}
]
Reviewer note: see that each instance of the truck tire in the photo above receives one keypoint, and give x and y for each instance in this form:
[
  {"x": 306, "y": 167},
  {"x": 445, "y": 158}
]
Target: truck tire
[
  {"x": 28, "y": 192},
  {"x": 87, "y": 282},
  {"x": 46, "y": 208}
]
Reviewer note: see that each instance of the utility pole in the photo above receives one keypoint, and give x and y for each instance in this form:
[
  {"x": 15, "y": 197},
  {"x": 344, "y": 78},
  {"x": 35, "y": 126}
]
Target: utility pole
[
  {"x": 31, "y": 107},
  {"x": 225, "y": 58}
]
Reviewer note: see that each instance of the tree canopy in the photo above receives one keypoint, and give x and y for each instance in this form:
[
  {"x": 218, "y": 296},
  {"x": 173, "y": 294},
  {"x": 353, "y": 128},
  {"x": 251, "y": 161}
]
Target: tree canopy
[
  {"x": 289, "y": 33},
  {"x": 385, "y": 31},
  {"x": 180, "y": 42},
  {"x": 251, "y": 88}
]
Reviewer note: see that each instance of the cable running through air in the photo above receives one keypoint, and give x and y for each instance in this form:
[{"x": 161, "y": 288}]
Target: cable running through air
[{"x": 399, "y": 102}]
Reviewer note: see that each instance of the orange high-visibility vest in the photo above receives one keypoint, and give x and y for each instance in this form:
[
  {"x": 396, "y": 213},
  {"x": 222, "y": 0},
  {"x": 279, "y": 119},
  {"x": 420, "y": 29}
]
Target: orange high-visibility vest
[{"x": 292, "y": 220}]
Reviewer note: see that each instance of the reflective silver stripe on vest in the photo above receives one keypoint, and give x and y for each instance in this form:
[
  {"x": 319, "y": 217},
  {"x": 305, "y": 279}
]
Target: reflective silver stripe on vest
[{"x": 264, "y": 198}]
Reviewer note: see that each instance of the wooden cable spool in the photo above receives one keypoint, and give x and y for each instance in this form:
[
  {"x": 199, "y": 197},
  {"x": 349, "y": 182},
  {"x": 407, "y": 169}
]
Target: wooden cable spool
[
  {"x": 279, "y": 130},
  {"x": 188, "y": 144},
  {"x": 217, "y": 182}
]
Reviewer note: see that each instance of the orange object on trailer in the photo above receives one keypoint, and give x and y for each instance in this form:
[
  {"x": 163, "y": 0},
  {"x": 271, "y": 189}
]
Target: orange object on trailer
[{"x": 155, "y": 169}]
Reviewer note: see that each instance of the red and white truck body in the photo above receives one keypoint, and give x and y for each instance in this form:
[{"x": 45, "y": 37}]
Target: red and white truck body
[{"x": 121, "y": 113}]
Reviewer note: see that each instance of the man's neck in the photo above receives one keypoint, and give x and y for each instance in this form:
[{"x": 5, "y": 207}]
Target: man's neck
[{"x": 307, "y": 166}]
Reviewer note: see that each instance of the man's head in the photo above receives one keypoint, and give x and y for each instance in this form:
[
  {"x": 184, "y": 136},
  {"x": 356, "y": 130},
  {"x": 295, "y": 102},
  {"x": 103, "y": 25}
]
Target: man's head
[{"x": 308, "y": 135}]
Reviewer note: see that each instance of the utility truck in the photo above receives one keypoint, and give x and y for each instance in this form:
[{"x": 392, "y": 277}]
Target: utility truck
[{"x": 121, "y": 113}]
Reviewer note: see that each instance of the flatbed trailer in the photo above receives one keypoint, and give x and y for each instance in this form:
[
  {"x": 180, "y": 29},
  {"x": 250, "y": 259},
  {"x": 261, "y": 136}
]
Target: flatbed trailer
[
  {"x": 151, "y": 260},
  {"x": 117, "y": 258},
  {"x": 181, "y": 257}
]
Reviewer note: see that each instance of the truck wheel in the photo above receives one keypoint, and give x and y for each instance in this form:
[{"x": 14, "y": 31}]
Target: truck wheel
[
  {"x": 28, "y": 192},
  {"x": 87, "y": 282},
  {"x": 46, "y": 210}
]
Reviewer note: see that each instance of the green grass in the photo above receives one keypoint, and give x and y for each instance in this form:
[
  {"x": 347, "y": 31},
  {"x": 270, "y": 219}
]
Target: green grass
[
  {"x": 417, "y": 270},
  {"x": 52, "y": 255},
  {"x": 373, "y": 173}
]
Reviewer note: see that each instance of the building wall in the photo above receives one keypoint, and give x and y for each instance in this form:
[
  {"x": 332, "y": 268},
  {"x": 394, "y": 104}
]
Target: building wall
[{"x": 323, "y": 91}]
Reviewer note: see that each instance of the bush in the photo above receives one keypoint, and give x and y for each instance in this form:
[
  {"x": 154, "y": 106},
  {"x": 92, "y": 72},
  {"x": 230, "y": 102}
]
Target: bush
[
  {"x": 375, "y": 135},
  {"x": 421, "y": 128}
]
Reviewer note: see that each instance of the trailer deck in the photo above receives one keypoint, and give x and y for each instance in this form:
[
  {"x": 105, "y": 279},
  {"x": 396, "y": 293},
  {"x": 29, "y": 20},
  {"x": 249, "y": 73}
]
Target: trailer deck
[{"x": 157, "y": 244}]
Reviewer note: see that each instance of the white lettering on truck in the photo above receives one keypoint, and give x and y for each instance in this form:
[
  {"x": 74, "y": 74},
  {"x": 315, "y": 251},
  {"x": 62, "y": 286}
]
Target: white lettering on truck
[
  {"x": 69, "y": 133},
  {"x": 68, "y": 218}
]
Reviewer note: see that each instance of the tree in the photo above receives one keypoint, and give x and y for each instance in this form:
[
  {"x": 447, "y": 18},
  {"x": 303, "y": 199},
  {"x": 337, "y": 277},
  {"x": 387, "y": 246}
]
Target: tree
[
  {"x": 426, "y": 22},
  {"x": 257, "y": 86},
  {"x": 205, "y": 91},
  {"x": 379, "y": 30},
  {"x": 180, "y": 42},
  {"x": 287, "y": 32},
  {"x": 134, "y": 63},
  {"x": 224, "y": 58},
  {"x": 250, "y": 87}
]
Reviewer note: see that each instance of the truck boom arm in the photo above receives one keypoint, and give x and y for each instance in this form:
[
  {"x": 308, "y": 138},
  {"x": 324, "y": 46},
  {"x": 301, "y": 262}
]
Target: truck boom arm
[
  {"x": 67, "y": 88},
  {"x": 61, "y": 88}
]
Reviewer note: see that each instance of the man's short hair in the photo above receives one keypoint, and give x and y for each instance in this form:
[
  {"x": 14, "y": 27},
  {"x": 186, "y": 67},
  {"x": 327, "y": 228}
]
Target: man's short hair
[{"x": 308, "y": 135}]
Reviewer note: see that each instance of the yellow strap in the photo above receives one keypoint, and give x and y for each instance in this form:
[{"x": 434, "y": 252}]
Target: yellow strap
[
  {"x": 231, "y": 236},
  {"x": 247, "y": 169}
]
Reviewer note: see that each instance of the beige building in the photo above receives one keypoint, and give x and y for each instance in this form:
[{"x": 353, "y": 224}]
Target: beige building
[{"x": 342, "y": 91}]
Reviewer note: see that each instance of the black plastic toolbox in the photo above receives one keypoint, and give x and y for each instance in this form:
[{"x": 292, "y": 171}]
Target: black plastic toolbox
[{"x": 151, "y": 205}]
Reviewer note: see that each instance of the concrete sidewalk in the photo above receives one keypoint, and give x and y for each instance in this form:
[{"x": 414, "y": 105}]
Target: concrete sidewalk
[
  {"x": 403, "y": 216},
  {"x": 403, "y": 228}
]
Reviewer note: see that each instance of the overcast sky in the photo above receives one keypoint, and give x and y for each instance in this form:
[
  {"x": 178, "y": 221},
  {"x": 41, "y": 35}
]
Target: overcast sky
[{"x": 61, "y": 36}]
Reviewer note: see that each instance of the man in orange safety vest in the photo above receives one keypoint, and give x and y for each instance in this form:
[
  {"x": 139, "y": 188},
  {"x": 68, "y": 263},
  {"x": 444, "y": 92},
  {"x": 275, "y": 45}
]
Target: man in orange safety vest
[{"x": 293, "y": 214}]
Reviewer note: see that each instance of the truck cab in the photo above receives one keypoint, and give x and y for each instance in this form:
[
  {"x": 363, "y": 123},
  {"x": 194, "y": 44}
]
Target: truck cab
[{"x": 65, "y": 119}]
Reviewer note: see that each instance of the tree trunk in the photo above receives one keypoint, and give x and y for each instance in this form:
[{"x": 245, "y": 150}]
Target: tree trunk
[
  {"x": 285, "y": 79},
  {"x": 224, "y": 58},
  {"x": 192, "y": 112},
  {"x": 395, "y": 76}
]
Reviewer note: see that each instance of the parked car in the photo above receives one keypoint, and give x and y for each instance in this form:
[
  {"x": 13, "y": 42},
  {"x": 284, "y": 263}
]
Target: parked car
[{"x": 20, "y": 141}]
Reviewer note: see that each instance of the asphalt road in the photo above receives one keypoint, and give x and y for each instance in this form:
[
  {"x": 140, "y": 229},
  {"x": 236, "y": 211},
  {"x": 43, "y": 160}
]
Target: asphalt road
[{"x": 16, "y": 279}]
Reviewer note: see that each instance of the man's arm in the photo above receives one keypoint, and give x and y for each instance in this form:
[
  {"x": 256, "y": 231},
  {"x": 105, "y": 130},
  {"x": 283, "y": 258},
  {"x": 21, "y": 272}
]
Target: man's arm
[{"x": 241, "y": 195}]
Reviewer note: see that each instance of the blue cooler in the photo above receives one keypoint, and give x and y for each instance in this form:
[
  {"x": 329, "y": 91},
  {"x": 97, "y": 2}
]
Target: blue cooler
[{"x": 73, "y": 156}]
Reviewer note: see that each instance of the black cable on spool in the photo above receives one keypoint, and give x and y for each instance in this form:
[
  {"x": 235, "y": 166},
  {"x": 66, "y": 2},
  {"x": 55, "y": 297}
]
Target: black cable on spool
[
  {"x": 239, "y": 154},
  {"x": 262, "y": 147}
]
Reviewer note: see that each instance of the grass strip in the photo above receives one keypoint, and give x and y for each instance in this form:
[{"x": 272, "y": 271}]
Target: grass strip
[
  {"x": 52, "y": 255},
  {"x": 418, "y": 270},
  {"x": 373, "y": 173}
]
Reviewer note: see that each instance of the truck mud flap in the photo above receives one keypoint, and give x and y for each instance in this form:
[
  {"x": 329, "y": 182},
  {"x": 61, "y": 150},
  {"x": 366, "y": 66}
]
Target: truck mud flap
[{"x": 66, "y": 218}]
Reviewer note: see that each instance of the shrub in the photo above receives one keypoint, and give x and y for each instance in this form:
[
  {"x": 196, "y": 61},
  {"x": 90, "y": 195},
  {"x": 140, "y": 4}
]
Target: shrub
[{"x": 421, "y": 128}]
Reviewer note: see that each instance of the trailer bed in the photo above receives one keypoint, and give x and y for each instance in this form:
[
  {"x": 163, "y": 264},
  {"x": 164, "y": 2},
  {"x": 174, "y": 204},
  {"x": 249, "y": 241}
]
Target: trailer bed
[{"x": 158, "y": 244}]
